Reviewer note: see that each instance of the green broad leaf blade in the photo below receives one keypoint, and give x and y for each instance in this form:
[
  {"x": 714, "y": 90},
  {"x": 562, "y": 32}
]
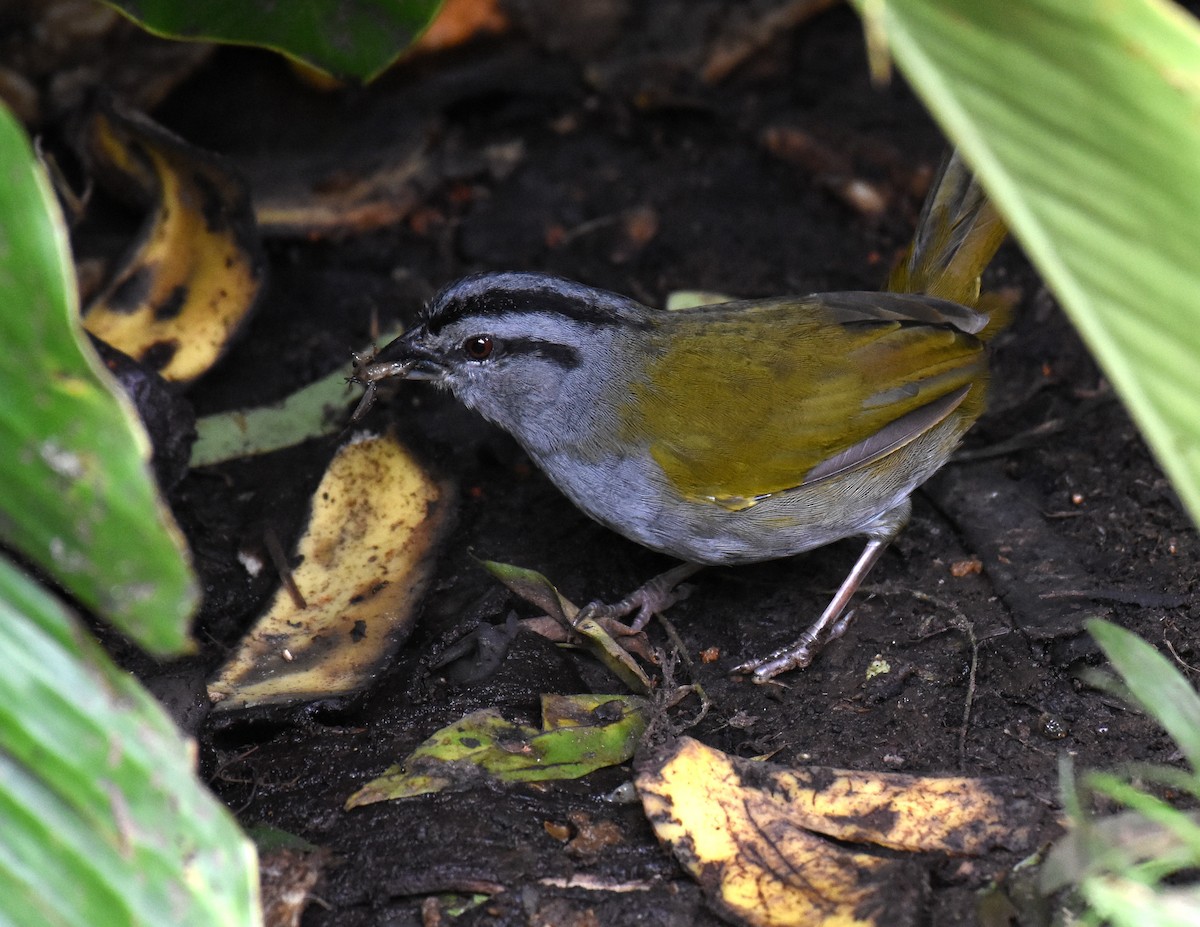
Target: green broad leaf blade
[
  {"x": 270, "y": 839},
  {"x": 447, "y": 761},
  {"x": 346, "y": 38},
  {"x": 77, "y": 496},
  {"x": 1155, "y": 684},
  {"x": 580, "y": 734},
  {"x": 1082, "y": 118},
  {"x": 102, "y": 820}
]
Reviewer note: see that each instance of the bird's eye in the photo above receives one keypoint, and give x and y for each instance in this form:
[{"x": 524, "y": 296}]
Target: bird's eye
[{"x": 479, "y": 347}]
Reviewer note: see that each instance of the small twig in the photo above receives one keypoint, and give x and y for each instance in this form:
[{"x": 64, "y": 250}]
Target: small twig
[
  {"x": 1031, "y": 437},
  {"x": 693, "y": 686},
  {"x": 962, "y": 623},
  {"x": 591, "y": 225},
  {"x": 670, "y": 695},
  {"x": 1178, "y": 659},
  {"x": 282, "y": 567},
  {"x": 373, "y": 326},
  {"x": 245, "y": 806},
  {"x": 677, "y": 643},
  {"x": 219, "y": 772},
  {"x": 1139, "y": 597}
]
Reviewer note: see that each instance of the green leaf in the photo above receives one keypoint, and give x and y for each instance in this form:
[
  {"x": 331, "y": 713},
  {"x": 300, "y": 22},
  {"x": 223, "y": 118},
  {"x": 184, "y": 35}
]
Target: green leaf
[
  {"x": 346, "y": 38},
  {"x": 1155, "y": 684},
  {"x": 77, "y": 496},
  {"x": 536, "y": 589},
  {"x": 1112, "y": 843},
  {"x": 1183, "y": 831},
  {"x": 580, "y": 734},
  {"x": 1127, "y": 903},
  {"x": 311, "y": 412},
  {"x": 1082, "y": 118},
  {"x": 1119, "y": 863},
  {"x": 101, "y": 818},
  {"x": 690, "y": 299},
  {"x": 270, "y": 839}
]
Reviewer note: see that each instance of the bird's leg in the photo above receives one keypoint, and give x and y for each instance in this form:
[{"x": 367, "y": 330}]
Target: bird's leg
[
  {"x": 835, "y": 619},
  {"x": 647, "y": 600},
  {"x": 830, "y": 625}
]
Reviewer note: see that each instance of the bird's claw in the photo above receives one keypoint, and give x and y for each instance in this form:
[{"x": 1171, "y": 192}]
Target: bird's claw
[
  {"x": 650, "y": 599},
  {"x": 797, "y": 655}
]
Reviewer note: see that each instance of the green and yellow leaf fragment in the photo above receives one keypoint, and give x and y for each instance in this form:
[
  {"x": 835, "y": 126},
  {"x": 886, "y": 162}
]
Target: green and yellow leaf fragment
[
  {"x": 756, "y": 835},
  {"x": 196, "y": 271},
  {"x": 580, "y": 734},
  {"x": 589, "y": 633},
  {"x": 366, "y": 558}
]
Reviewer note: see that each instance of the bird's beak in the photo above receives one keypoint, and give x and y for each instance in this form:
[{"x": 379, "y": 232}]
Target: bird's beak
[{"x": 405, "y": 358}]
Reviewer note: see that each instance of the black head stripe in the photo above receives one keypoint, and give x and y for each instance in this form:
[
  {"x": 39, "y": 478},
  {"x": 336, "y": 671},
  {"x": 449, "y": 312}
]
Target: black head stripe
[
  {"x": 564, "y": 355},
  {"x": 485, "y": 296}
]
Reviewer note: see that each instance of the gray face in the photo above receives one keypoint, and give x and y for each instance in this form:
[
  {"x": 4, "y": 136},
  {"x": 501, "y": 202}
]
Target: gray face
[
  {"x": 528, "y": 352},
  {"x": 515, "y": 371}
]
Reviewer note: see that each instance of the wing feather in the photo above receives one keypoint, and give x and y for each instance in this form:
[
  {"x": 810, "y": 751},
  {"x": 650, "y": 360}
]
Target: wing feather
[{"x": 837, "y": 383}]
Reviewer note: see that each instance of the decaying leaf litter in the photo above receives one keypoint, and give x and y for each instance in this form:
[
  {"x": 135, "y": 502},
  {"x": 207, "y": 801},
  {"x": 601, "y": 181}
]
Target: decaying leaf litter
[{"x": 543, "y": 150}]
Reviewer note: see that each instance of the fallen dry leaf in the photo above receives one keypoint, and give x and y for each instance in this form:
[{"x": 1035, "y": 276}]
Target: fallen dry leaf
[
  {"x": 755, "y": 835},
  {"x": 459, "y": 21},
  {"x": 366, "y": 558},
  {"x": 195, "y": 274}
]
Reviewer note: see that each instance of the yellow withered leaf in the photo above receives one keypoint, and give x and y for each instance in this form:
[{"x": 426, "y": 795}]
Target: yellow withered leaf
[
  {"x": 366, "y": 559},
  {"x": 754, "y": 863},
  {"x": 197, "y": 268},
  {"x": 751, "y": 834},
  {"x": 958, "y": 815}
]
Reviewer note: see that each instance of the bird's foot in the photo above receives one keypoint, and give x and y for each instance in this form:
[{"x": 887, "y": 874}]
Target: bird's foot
[
  {"x": 648, "y": 600},
  {"x": 831, "y": 625},
  {"x": 797, "y": 655}
]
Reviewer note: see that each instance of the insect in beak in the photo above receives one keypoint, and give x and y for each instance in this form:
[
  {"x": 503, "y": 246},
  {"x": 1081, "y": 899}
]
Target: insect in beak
[{"x": 369, "y": 373}]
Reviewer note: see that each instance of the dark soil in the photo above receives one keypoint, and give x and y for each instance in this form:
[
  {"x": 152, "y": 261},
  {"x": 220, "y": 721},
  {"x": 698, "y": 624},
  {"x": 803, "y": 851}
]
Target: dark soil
[{"x": 596, "y": 153}]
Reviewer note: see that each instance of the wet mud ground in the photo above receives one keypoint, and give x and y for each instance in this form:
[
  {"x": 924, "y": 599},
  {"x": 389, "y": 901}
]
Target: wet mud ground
[{"x": 599, "y": 155}]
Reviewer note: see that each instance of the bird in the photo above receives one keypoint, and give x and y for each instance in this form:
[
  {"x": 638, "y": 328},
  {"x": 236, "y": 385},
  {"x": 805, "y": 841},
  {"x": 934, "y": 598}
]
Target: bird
[{"x": 738, "y": 432}]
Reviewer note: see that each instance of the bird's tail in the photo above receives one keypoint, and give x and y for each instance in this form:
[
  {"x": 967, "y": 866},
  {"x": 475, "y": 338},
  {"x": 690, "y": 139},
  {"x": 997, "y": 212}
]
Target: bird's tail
[{"x": 957, "y": 235}]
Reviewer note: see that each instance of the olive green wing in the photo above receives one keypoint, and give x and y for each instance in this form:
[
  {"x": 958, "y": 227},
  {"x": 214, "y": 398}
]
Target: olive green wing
[{"x": 814, "y": 387}]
